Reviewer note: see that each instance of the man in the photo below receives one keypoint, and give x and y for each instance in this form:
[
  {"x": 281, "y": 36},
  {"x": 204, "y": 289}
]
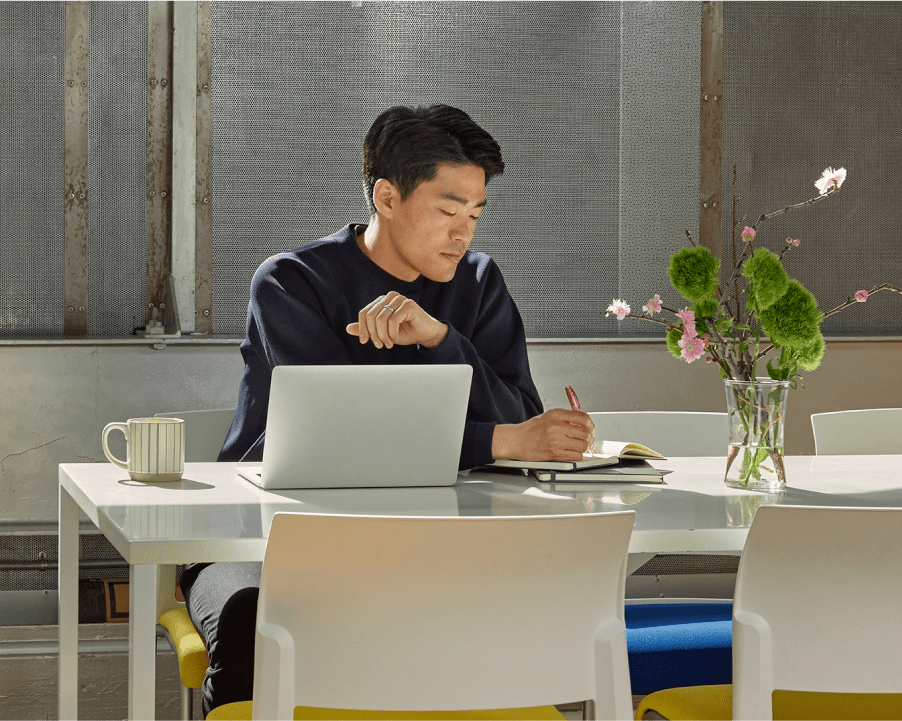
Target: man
[{"x": 404, "y": 289}]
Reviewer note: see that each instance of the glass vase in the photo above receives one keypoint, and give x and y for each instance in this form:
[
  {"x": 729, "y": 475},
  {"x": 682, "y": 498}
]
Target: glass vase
[{"x": 757, "y": 415}]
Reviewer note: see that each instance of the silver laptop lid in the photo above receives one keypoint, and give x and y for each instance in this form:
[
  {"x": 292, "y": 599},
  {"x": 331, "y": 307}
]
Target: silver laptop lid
[{"x": 353, "y": 426}]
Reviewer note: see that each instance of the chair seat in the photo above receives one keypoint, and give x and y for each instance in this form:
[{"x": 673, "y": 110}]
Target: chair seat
[
  {"x": 678, "y": 644},
  {"x": 189, "y": 647},
  {"x": 243, "y": 710},
  {"x": 702, "y": 703},
  {"x": 715, "y": 703}
]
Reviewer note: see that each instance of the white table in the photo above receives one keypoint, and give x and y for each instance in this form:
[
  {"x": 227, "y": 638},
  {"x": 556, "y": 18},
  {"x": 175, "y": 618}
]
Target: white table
[{"x": 213, "y": 515}]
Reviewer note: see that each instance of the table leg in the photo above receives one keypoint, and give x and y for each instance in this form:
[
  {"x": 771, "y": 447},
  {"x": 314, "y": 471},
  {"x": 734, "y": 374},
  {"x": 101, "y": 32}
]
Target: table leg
[
  {"x": 67, "y": 584},
  {"x": 142, "y": 641}
]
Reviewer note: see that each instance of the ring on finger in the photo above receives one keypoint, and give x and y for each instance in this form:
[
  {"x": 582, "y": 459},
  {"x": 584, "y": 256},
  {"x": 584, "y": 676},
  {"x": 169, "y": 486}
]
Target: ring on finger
[{"x": 388, "y": 307}]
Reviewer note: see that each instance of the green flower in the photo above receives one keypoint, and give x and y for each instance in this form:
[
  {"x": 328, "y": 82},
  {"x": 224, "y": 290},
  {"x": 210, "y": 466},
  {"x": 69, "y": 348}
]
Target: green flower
[
  {"x": 767, "y": 278},
  {"x": 724, "y": 324},
  {"x": 705, "y": 308},
  {"x": 794, "y": 320},
  {"x": 810, "y": 356},
  {"x": 673, "y": 342},
  {"x": 693, "y": 272}
]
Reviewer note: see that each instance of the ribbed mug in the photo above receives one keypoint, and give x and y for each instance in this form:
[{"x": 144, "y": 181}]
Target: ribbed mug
[{"x": 155, "y": 448}]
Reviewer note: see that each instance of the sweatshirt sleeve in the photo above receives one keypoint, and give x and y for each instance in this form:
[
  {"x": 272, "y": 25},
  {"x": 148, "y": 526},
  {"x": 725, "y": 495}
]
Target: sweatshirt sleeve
[
  {"x": 287, "y": 325},
  {"x": 502, "y": 390}
]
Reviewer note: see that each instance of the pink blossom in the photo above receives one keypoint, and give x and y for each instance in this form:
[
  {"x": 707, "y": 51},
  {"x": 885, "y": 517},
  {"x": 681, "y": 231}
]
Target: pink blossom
[
  {"x": 861, "y": 296},
  {"x": 693, "y": 347},
  {"x": 748, "y": 233},
  {"x": 688, "y": 318},
  {"x": 796, "y": 242},
  {"x": 618, "y": 308},
  {"x": 653, "y": 306},
  {"x": 830, "y": 178}
]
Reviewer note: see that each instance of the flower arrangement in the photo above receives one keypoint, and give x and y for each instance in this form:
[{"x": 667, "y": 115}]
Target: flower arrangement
[{"x": 758, "y": 310}]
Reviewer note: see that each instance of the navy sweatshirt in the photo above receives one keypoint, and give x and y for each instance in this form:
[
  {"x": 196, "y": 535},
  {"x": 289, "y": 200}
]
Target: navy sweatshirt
[{"x": 301, "y": 301}]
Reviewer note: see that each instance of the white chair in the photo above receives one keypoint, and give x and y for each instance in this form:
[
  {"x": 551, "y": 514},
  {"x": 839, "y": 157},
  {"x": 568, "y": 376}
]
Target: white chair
[
  {"x": 411, "y": 614},
  {"x": 815, "y": 618},
  {"x": 671, "y": 433},
  {"x": 205, "y": 432},
  {"x": 871, "y": 431},
  {"x": 684, "y": 641}
]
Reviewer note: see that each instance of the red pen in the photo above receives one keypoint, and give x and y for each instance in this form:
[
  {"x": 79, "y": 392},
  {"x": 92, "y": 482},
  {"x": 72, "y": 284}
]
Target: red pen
[
  {"x": 574, "y": 401},
  {"x": 574, "y": 404}
]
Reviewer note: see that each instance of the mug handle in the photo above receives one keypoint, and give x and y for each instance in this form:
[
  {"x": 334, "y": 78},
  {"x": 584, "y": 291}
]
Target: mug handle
[{"x": 106, "y": 448}]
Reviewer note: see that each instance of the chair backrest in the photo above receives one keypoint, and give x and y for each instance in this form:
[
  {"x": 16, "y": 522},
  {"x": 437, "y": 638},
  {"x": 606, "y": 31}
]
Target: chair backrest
[
  {"x": 817, "y": 605},
  {"x": 205, "y": 432},
  {"x": 870, "y": 431},
  {"x": 671, "y": 433},
  {"x": 442, "y": 613}
]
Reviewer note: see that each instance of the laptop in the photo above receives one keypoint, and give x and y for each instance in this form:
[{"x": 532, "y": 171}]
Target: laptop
[{"x": 363, "y": 426}]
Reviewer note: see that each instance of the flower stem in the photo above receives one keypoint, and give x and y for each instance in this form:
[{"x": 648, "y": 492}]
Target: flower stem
[
  {"x": 725, "y": 359},
  {"x": 851, "y": 301},
  {"x": 653, "y": 320},
  {"x": 734, "y": 311},
  {"x": 817, "y": 199}
]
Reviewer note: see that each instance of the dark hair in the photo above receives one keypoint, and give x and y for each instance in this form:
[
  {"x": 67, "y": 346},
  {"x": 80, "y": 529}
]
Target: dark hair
[{"x": 405, "y": 145}]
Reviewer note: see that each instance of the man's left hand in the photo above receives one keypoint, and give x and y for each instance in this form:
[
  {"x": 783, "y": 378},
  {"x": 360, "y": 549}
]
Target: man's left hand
[{"x": 393, "y": 319}]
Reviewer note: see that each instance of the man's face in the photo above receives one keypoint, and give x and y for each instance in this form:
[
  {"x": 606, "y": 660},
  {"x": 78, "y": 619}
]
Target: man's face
[{"x": 432, "y": 227}]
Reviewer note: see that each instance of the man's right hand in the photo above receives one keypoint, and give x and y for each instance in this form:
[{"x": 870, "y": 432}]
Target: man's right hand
[
  {"x": 556, "y": 435},
  {"x": 393, "y": 319}
]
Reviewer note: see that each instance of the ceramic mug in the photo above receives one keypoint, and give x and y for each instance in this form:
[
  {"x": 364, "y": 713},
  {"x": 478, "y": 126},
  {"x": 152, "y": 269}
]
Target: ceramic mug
[{"x": 155, "y": 448}]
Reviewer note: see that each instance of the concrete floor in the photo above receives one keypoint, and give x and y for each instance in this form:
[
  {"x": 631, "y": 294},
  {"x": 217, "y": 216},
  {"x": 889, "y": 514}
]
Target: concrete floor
[
  {"x": 28, "y": 674},
  {"x": 29, "y": 668}
]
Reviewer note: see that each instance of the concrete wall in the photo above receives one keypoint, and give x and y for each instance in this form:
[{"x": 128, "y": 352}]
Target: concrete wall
[
  {"x": 644, "y": 376},
  {"x": 55, "y": 400}
]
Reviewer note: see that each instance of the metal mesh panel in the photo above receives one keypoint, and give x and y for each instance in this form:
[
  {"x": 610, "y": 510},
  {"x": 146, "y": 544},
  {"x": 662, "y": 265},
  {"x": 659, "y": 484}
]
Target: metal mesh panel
[
  {"x": 28, "y": 561},
  {"x": 659, "y": 154},
  {"x": 116, "y": 168},
  {"x": 32, "y": 234},
  {"x": 809, "y": 85},
  {"x": 688, "y": 563},
  {"x": 297, "y": 85}
]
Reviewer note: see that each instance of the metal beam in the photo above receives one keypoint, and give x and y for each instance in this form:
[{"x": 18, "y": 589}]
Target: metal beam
[
  {"x": 711, "y": 135},
  {"x": 203, "y": 225},
  {"x": 159, "y": 155},
  {"x": 78, "y": 21},
  {"x": 184, "y": 124}
]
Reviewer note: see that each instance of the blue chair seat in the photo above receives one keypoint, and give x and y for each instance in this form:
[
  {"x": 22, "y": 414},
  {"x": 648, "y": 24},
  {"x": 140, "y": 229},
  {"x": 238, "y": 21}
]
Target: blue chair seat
[{"x": 679, "y": 644}]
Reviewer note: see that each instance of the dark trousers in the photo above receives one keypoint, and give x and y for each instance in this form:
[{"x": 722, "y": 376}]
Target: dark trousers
[{"x": 222, "y": 602}]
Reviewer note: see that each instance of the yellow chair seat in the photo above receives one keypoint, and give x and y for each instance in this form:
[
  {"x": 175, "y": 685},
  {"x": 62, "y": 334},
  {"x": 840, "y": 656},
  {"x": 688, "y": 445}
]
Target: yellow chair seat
[
  {"x": 242, "y": 710},
  {"x": 189, "y": 648},
  {"x": 193, "y": 663},
  {"x": 715, "y": 703}
]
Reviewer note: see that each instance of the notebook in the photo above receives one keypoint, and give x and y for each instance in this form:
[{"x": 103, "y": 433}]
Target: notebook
[
  {"x": 362, "y": 426},
  {"x": 627, "y": 471},
  {"x": 606, "y": 453}
]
